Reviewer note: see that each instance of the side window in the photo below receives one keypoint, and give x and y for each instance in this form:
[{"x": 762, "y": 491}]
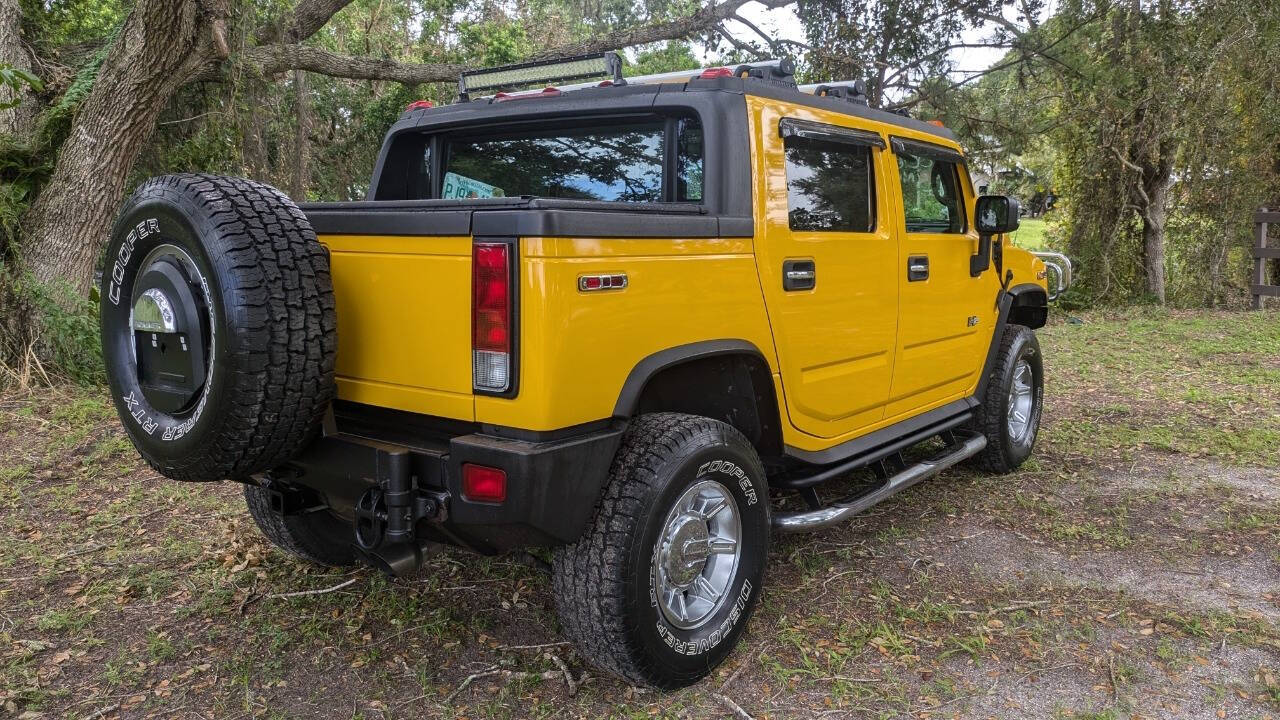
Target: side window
[
  {"x": 688, "y": 160},
  {"x": 829, "y": 186},
  {"x": 930, "y": 194}
]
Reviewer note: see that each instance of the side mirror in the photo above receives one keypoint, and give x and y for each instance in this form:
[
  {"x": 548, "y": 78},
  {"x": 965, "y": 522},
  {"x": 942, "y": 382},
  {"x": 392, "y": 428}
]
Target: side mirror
[{"x": 997, "y": 214}]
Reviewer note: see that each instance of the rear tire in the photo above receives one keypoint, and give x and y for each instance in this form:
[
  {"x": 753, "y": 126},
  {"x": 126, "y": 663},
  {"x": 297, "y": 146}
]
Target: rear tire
[
  {"x": 317, "y": 536},
  {"x": 663, "y": 583},
  {"x": 1009, "y": 415},
  {"x": 218, "y": 326}
]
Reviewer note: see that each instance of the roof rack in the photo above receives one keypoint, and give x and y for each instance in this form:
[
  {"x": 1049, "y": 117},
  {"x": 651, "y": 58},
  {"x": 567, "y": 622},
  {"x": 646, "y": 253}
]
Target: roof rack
[
  {"x": 854, "y": 91},
  {"x": 778, "y": 70}
]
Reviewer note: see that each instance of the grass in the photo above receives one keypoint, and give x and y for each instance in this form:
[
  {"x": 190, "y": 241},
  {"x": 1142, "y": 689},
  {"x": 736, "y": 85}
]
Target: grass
[
  {"x": 1137, "y": 551},
  {"x": 1030, "y": 234}
]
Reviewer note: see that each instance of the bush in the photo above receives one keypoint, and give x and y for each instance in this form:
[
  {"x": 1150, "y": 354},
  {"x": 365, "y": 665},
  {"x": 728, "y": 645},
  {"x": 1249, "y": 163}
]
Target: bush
[{"x": 54, "y": 321}]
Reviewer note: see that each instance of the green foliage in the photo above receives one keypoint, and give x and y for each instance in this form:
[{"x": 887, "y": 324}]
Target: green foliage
[
  {"x": 1102, "y": 102},
  {"x": 22, "y": 171},
  {"x": 59, "y": 323},
  {"x": 894, "y": 45},
  {"x": 17, "y": 80},
  {"x": 668, "y": 57},
  {"x": 67, "y": 329},
  {"x": 63, "y": 23},
  {"x": 55, "y": 122}
]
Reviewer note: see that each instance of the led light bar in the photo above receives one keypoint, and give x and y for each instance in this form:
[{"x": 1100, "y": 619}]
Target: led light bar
[{"x": 541, "y": 72}]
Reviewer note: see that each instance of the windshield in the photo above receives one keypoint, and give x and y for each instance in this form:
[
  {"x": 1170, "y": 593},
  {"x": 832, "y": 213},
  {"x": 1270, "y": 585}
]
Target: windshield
[{"x": 621, "y": 161}]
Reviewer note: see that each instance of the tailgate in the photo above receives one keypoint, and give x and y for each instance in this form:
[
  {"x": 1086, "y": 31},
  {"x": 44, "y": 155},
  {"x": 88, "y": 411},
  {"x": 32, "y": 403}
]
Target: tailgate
[{"x": 404, "y": 320}]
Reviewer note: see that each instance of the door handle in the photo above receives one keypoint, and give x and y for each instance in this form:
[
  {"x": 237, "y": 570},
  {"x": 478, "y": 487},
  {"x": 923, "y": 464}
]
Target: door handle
[
  {"x": 917, "y": 268},
  {"x": 799, "y": 275}
]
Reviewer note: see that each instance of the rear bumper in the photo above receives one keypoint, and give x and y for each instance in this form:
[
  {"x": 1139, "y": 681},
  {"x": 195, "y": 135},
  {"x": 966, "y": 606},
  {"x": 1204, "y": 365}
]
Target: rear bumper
[{"x": 553, "y": 482}]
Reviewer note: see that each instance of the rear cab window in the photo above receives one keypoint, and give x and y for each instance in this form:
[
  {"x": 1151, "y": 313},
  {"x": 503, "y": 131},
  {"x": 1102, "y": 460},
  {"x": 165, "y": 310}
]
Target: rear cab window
[
  {"x": 830, "y": 178},
  {"x": 636, "y": 159},
  {"x": 932, "y": 201}
]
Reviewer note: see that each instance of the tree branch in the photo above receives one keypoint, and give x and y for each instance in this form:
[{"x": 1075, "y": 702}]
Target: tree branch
[
  {"x": 705, "y": 19},
  {"x": 276, "y": 58},
  {"x": 311, "y": 15},
  {"x": 740, "y": 45}
]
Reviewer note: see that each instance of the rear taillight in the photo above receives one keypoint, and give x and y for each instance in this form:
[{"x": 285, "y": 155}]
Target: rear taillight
[{"x": 491, "y": 317}]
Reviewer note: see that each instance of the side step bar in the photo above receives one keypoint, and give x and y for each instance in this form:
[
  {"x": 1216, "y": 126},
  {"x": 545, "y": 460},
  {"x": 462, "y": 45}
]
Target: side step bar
[{"x": 838, "y": 512}]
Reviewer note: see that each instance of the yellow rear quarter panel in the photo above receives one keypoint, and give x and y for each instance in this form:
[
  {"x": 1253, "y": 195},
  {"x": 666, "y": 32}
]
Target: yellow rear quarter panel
[{"x": 577, "y": 348}]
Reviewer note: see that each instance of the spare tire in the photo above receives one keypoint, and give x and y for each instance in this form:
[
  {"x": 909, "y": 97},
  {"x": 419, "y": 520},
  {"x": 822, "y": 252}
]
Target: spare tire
[{"x": 218, "y": 326}]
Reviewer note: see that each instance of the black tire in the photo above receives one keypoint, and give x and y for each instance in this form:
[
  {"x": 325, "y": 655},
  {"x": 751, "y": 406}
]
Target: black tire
[
  {"x": 318, "y": 536},
  {"x": 1005, "y": 451},
  {"x": 256, "y": 324},
  {"x": 605, "y": 584}
]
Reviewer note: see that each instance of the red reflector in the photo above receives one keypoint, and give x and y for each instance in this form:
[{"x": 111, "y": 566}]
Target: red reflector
[
  {"x": 545, "y": 92},
  {"x": 491, "y": 297},
  {"x": 716, "y": 72},
  {"x": 483, "y": 484},
  {"x": 420, "y": 105}
]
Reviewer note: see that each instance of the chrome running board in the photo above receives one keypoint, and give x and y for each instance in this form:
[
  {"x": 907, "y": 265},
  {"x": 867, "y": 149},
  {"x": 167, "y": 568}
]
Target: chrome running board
[{"x": 838, "y": 512}]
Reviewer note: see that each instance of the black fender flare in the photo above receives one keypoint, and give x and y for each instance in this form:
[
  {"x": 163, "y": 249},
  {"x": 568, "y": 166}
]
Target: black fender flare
[
  {"x": 757, "y": 413},
  {"x": 1029, "y": 305},
  {"x": 650, "y": 366}
]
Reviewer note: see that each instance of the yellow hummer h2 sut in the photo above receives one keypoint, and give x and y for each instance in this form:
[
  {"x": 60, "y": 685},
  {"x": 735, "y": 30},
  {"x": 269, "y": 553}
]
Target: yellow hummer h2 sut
[{"x": 641, "y": 321}]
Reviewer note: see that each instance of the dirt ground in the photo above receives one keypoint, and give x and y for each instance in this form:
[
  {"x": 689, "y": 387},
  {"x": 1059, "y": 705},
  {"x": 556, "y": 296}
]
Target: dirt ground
[{"x": 1131, "y": 569}]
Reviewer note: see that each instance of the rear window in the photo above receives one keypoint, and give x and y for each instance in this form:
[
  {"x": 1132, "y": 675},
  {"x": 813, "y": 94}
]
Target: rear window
[
  {"x": 620, "y": 163},
  {"x": 641, "y": 159},
  {"x": 829, "y": 186}
]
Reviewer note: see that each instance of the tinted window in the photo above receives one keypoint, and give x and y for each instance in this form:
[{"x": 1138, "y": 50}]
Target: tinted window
[
  {"x": 615, "y": 162},
  {"x": 829, "y": 186},
  {"x": 688, "y": 160},
  {"x": 930, "y": 195}
]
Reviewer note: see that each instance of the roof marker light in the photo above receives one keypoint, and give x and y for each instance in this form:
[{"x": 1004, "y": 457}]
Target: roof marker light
[
  {"x": 543, "y": 93},
  {"x": 715, "y": 72},
  {"x": 420, "y": 105}
]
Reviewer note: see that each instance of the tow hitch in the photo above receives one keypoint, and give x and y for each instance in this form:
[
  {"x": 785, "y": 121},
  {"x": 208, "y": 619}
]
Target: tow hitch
[{"x": 386, "y": 515}]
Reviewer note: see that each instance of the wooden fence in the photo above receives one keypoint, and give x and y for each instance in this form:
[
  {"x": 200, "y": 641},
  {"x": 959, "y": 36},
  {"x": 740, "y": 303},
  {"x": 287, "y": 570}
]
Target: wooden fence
[{"x": 1261, "y": 254}]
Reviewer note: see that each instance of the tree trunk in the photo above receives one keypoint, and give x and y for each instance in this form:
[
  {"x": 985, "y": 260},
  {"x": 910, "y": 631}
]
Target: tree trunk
[
  {"x": 302, "y": 141},
  {"x": 17, "y": 120},
  {"x": 161, "y": 45},
  {"x": 1156, "y": 182}
]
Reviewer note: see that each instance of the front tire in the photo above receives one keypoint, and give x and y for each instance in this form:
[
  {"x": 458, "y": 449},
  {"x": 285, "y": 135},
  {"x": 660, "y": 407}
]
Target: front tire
[
  {"x": 1010, "y": 412},
  {"x": 660, "y": 587}
]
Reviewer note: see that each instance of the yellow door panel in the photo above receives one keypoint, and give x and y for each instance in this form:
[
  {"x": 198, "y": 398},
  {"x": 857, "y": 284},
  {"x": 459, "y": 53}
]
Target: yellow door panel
[
  {"x": 404, "y": 322},
  {"x": 945, "y": 320},
  {"x": 835, "y": 342}
]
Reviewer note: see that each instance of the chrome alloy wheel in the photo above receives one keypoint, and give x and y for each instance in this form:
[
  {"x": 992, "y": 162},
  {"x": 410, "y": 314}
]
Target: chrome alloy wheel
[
  {"x": 1021, "y": 403},
  {"x": 697, "y": 554}
]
